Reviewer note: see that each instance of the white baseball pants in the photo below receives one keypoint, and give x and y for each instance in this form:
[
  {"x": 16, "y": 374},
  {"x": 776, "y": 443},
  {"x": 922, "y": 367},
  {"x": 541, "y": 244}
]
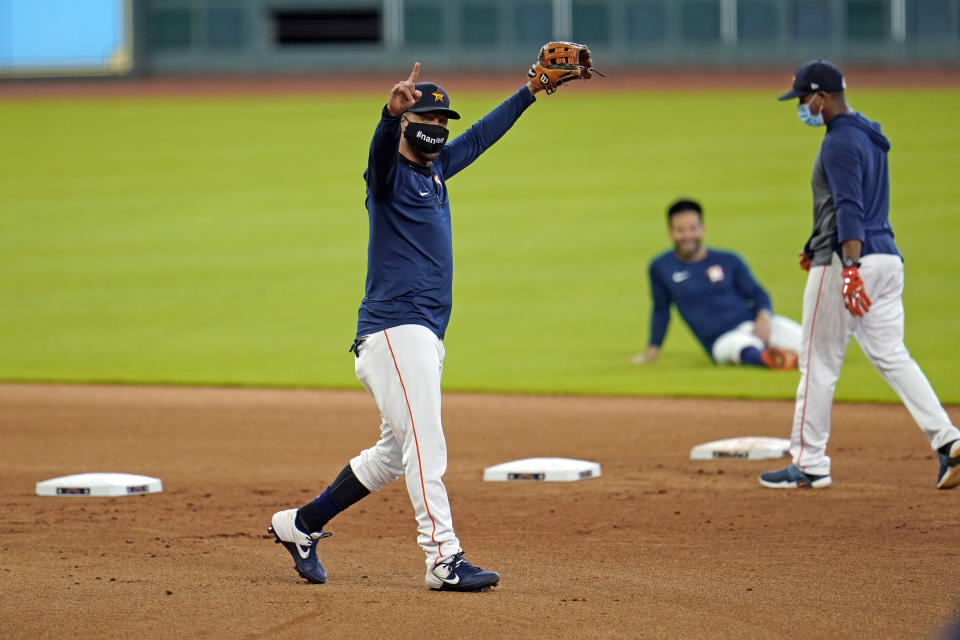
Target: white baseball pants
[
  {"x": 401, "y": 368},
  {"x": 784, "y": 334},
  {"x": 827, "y": 327}
]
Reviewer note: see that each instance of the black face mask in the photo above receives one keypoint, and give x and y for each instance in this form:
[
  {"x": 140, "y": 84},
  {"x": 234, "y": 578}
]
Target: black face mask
[{"x": 426, "y": 138}]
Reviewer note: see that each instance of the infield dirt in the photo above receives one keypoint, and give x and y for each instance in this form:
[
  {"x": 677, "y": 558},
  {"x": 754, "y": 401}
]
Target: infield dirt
[{"x": 659, "y": 547}]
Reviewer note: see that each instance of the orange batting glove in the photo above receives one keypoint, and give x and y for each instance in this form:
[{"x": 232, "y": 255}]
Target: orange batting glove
[
  {"x": 804, "y": 261},
  {"x": 855, "y": 299}
]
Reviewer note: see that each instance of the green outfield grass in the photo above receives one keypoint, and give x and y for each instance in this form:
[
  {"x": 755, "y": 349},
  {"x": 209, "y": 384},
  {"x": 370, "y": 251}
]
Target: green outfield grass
[{"x": 223, "y": 241}]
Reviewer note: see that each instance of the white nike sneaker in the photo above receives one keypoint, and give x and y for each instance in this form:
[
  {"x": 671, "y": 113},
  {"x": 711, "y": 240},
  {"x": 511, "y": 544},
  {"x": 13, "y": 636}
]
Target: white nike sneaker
[
  {"x": 284, "y": 525},
  {"x": 456, "y": 574},
  {"x": 948, "y": 476},
  {"x": 302, "y": 546}
]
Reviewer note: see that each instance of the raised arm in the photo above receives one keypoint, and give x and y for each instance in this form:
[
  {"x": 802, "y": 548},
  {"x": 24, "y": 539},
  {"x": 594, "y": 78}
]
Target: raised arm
[
  {"x": 467, "y": 147},
  {"x": 557, "y": 63},
  {"x": 385, "y": 146}
]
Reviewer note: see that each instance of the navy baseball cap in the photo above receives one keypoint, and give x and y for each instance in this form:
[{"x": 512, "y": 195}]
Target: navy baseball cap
[
  {"x": 433, "y": 98},
  {"x": 813, "y": 76}
]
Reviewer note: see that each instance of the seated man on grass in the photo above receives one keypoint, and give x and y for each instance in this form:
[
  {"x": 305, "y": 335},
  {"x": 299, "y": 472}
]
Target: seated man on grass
[{"x": 715, "y": 294}]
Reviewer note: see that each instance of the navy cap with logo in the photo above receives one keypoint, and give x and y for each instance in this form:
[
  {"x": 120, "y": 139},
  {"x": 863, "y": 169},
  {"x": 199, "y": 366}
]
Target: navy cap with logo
[
  {"x": 813, "y": 76},
  {"x": 433, "y": 98}
]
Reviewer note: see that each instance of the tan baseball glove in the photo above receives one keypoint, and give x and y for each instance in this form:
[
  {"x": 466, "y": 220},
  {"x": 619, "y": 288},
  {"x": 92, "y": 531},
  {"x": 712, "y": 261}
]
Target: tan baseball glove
[{"x": 561, "y": 62}]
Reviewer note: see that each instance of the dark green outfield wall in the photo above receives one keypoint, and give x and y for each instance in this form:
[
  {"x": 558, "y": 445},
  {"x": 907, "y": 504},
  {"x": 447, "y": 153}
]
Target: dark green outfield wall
[{"x": 177, "y": 36}]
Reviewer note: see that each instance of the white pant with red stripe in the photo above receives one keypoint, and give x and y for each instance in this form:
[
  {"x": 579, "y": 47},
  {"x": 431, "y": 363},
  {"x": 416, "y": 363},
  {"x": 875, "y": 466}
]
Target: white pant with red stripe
[
  {"x": 827, "y": 327},
  {"x": 401, "y": 368}
]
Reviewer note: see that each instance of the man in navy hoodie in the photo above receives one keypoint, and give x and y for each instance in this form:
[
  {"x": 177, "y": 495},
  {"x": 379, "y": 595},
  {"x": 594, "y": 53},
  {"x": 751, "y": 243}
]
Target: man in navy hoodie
[{"x": 854, "y": 287}]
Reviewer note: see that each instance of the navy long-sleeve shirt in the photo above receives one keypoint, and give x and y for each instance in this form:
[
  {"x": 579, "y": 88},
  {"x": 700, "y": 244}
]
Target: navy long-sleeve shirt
[
  {"x": 851, "y": 190},
  {"x": 712, "y": 295},
  {"x": 410, "y": 250}
]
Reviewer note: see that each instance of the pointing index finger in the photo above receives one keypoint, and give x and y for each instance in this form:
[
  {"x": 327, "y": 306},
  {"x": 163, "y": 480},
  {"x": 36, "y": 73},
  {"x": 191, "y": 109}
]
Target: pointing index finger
[{"x": 415, "y": 73}]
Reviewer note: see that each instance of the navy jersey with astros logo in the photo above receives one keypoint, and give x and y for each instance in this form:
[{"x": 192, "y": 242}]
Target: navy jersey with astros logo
[
  {"x": 712, "y": 295},
  {"x": 410, "y": 251}
]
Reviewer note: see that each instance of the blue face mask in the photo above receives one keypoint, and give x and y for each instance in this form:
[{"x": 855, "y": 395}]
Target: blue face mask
[{"x": 803, "y": 111}]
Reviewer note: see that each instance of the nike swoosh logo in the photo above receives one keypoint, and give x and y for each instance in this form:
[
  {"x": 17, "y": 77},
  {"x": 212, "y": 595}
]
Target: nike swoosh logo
[
  {"x": 680, "y": 276},
  {"x": 455, "y": 580},
  {"x": 303, "y": 554},
  {"x": 424, "y": 193}
]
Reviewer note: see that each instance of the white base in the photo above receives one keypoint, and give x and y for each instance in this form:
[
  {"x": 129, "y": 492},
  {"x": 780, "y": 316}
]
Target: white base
[
  {"x": 542, "y": 470},
  {"x": 745, "y": 448},
  {"x": 99, "y": 485}
]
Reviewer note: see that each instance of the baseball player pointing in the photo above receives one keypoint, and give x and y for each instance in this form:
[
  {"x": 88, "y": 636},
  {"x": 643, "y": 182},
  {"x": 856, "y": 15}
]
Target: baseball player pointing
[
  {"x": 399, "y": 349},
  {"x": 854, "y": 286}
]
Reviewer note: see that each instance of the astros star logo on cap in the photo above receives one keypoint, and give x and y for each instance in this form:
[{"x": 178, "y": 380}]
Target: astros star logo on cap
[{"x": 438, "y": 96}]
